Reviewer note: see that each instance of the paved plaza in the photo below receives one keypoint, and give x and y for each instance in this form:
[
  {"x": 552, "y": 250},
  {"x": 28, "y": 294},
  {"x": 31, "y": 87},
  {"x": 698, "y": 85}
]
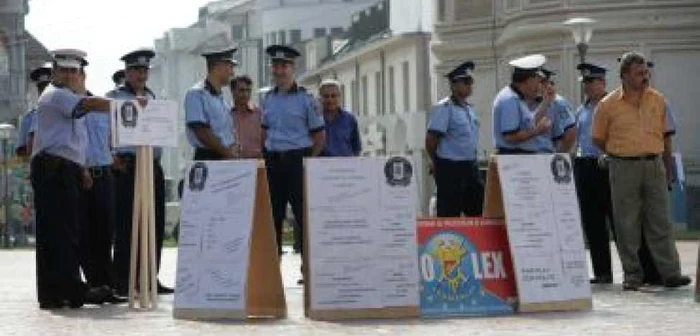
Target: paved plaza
[{"x": 666, "y": 312}]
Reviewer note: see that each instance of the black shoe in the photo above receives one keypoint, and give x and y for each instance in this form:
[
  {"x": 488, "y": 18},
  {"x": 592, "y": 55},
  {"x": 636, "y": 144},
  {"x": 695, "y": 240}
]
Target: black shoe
[
  {"x": 50, "y": 305},
  {"x": 116, "y": 299},
  {"x": 602, "y": 280},
  {"x": 631, "y": 285},
  {"x": 75, "y": 304},
  {"x": 97, "y": 295},
  {"x": 300, "y": 282},
  {"x": 677, "y": 281},
  {"x": 164, "y": 290},
  {"x": 653, "y": 282}
]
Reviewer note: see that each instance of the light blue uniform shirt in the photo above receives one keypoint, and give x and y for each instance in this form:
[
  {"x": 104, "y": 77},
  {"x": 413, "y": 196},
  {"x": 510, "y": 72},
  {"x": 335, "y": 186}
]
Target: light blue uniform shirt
[
  {"x": 60, "y": 125},
  {"x": 584, "y": 127},
  {"x": 99, "y": 151},
  {"x": 562, "y": 118},
  {"x": 126, "y": 92},
  {"x": 510, "y": 115},
  {"x": 457, "y": 126},
  {"x": 290, "y": 118},
  {"x": 204, "y": 105},
  {"x": 25, "y": 128}
]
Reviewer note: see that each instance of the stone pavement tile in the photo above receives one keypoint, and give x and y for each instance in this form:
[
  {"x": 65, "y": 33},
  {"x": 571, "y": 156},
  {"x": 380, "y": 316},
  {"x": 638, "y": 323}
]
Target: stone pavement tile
[{"x": 615, "y": 312}]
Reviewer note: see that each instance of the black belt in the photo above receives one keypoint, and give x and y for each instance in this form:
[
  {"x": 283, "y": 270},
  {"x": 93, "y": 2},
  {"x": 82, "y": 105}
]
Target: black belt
[
  {"x": 456, "y": 162},
  {"x": 287, "y": 155},
  {"x": 99, "y": 171},
  {"x": 130, "y": 158},
  {"x": 505, "y": 151},
  {"x": 649, "y": 157},
  {"x": 203, "y": 154},
  {"x": 53, "y": 162}
]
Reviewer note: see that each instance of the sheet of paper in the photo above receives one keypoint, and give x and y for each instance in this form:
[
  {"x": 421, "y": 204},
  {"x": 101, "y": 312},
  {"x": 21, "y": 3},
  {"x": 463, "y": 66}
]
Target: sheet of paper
[
  {"x": 361, "y": 218},
  {"x": 544, "y": 227},
  {"x": 156, "y": 125},
  {"x": 345, "y": 284},
  {"x": 215, "y": 227},
  {"x": 342, "y": 200}
]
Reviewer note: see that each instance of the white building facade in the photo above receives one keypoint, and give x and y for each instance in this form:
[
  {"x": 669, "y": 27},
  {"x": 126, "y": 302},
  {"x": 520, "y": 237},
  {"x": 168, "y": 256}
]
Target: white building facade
[
  {"x": 492, "y": 32},
  {"x": 385, "y": 77},
  {"x": 250, "y": 25}
]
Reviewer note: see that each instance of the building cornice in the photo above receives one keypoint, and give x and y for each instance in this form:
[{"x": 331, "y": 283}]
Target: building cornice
[{"x": 350, "y": 57}]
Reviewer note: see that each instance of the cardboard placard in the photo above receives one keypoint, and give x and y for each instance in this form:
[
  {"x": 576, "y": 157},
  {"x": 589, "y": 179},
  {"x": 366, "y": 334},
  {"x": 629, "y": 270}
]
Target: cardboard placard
[
  {"x": 465, "y": 267},
  {"x": 360, "y": 228},
  {"x": 228, "y": 266},
  {"x": 697, "y": 276},
  {"x": 154, "y": 125},
  {"x": 539, "y": 201},
  {"x": 493, "y": 199}
]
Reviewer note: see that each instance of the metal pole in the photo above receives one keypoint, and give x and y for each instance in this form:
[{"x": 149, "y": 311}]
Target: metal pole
[
  {"x": 6, "y": 227},
  {"x": 582, "y": 50}
]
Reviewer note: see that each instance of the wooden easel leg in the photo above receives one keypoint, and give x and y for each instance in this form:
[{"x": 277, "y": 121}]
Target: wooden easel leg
[
  {"x": 134, "y": 238},
  {"x": 143, "y": 245},
  {"x": 152, "y": 233}
]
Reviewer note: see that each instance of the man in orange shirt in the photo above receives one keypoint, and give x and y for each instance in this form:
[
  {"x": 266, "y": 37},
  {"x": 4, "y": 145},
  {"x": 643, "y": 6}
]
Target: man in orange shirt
[
  {"x": 246, "y": 119},
  {"x": 629, "y": 125}
]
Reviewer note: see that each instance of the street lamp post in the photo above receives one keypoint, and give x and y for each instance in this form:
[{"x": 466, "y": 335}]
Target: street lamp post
[
  {"x": 582, "y": 31},
  {"x": 6, "y": 132}
]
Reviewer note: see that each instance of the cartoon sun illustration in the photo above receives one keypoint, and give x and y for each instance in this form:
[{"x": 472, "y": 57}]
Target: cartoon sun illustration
[{"x": 449, "y": 253}]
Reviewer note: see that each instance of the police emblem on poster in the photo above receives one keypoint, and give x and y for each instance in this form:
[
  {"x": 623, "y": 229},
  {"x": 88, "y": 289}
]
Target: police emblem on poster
[
  {"x": 561, "y": 169},
  {"x": 198, "y": 176},
  {"x": 398, "y": 171},
  {"x": 465, "y": 267},
  {"x": 130, "y": 114}
]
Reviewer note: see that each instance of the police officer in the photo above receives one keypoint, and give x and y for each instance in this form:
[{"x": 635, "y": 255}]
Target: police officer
[
  {"x": 57, "y": 173},
  {"x": 452, "y": 142},
  {"x": 97, "y": 201},
  {"x": 592, "y": 181},
  {"x": 118, "y": 78},
  {"x": 208, "y": 115},
  {"x": 293, "y": 128},
  {"x": 25, "y": 137},
  {"x": 515, "y": 126},
  {"x": 137, "y": 64},
  {"x": 561, "y": 136}
]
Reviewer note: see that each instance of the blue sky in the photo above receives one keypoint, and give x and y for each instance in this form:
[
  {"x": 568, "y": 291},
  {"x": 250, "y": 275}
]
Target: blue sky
[{"x": 106, "y": 30}]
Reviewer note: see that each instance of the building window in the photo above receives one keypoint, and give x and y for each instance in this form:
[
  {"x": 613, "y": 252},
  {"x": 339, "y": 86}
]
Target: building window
[
  {"x": 353, "y": 96},
  {"x": 319, "y": 32},
  {"x": 392, "y": 91},
  {"x": 365, "y": 98},
  {"x": 273, "y": 38},
  {"x": 295, "y": 35},
  {"x": 441, "y": 10},
  {"x": 342, "y": 95},
  {"x": 337, "y": 31},
  {"x": 378, "y": 93},
  {"x": 406, "y": 79},
  {"x": 282, "y": 37},
  {"x": 237, "y": 32}
]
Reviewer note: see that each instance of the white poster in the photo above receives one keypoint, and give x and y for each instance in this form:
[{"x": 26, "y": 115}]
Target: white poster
[
  {"x": 362, "y": 233},
  {"x": 154, "y": 125},
  {"x": 544, "y": 227},
  {"x": 216, "y": 215}
]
